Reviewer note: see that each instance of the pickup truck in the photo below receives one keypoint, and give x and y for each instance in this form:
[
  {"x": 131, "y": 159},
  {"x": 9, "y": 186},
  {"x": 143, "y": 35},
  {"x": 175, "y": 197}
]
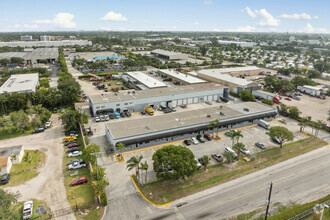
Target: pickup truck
[
  {"x": 28, "y": 210},
  {"x": 77, "y": 165}
]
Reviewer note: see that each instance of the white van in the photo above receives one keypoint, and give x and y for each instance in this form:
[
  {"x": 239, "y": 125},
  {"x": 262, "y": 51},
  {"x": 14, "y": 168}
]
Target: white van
[
  {"x": 228, "y": 149},
  {"x": 264, "y": 124}
]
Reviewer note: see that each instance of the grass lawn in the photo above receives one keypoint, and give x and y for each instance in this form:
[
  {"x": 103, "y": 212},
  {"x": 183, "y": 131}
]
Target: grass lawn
[
  {"x": 83, "y": 194},
  {"x": 93, "y": 214},
  {"x": 19, "y": 209},
  {"x": 166, "y": 191}
]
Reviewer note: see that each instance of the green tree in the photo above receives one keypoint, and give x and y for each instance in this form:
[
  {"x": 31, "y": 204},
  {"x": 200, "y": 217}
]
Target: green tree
[
  {"x": 232, "y": 136},
  {"x": 238, "y": 147},
  {"x": 294, "y": 112},
  {"x": 72, "y": 118},
  {"x": 4, "y": 62},
  {"x": 134, "y": 162},
  {"x": 213, "y": 124},
  {"x": 314, "y": 74},
  {"x": 177, "y": 158},
  {"x": 282, "y": 133},
  {"x": 283, "y": 110},
  {"x": 90, "y": 153},
  {"x": 238, "y": 134},
  {"x": 99, "y": 186},
  {"x": 7, "y": 210},
  {"x": 44, "y": 83},
  {"x": 230, "y": 157},
  {"x": 16, "y": 60},
  {"x": 247, "y": 96},
  {"x": 120, "y": 147},
  {"x": 20, "y": 120},
  {"x": 145, "y": 166},
  {"x": 205, "y": 161},
  {"x": 318, "y": 126},
  {"x": 267, "y": 102}
]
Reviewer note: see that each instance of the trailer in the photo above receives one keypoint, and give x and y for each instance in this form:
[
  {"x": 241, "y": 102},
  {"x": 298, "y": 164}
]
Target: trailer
[
  {"x": 311, "y": 90},
  {"x": 263, "y": 95}
]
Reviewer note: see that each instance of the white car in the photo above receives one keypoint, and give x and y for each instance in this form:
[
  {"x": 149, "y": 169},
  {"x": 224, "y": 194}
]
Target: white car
[
  {"x": 76, "y": 165},
  {"x": 97, "y": 119},
  {"x": 199, "y": 165},
  {"x": 106, "y": 117},
  {"x": 48, "y": 124},
  {"x": 245, "y": 151},
  {"x": 194, "y": 140},
  {"x": 75, "y": 154},
  {"x": 28, "y": 210}
]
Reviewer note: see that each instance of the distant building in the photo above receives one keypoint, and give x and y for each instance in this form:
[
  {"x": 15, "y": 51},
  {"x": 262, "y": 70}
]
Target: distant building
[
  {"x": 26, "y": 38},
  {"x": 34, "y": 56},
  {"x": 62, "y": 43},
  {"x": 45, "y": 38},
  {"x": 238, "y": 43},
  {"x": 169, "y": 55},
  {"x": 142, "y": 81},
  {"x": 180, "y": 78},
  {"x": 21, "y": 83}
]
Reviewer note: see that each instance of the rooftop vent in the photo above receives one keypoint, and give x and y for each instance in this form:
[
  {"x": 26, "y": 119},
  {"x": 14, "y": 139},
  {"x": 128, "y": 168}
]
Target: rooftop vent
[{"x": 208, "y": 116}]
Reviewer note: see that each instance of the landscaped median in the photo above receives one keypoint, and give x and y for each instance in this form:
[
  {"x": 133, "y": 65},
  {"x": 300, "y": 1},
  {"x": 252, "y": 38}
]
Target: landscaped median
[
  {"x": 18, "y": 208},
  {"x": 164, "y": 191}
]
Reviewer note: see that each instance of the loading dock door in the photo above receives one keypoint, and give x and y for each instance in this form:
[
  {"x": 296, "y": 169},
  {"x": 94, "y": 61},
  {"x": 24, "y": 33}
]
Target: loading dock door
[
  {"x": 210, "y": 98},
  {"x": 184, "y": 101},
  {"x": 215, "y": 97},
  {"x": 195, "y": 100},
  {"x": 180, "y": 102},
  {"x": 190, "y": 100},
  {"x": 174, "y": 103}
]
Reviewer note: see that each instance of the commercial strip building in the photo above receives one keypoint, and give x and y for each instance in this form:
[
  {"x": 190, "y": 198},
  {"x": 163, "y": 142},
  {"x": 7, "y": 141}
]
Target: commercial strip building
[
  {"x": 137, "y": 100},
  {"x": 142, "y": 81},
  {"x": 21, "y": 83},
  {"x": 34, "y": 56},
  {"x": 61, "y": 43},
  {"x": 169, "y": 55},
  {"x": 235, "y": 84},
  {"x": 153, "y": 130},
  {"x": 180, "y": 78}
]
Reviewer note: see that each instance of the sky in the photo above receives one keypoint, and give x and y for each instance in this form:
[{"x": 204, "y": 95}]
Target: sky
[{"x": 166, "y": 15}]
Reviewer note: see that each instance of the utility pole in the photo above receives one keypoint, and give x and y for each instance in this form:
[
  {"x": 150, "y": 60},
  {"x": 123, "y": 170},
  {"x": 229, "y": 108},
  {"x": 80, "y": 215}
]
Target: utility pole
[{"x": 268, "y": 200}]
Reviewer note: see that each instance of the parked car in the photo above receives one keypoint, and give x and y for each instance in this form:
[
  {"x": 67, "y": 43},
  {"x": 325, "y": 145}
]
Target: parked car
[
  {"x": 77, "y": 165},
  {"x": 48, "y": 124},
  {"x": 75, "y": 161},
  {"x": 38, "y": 130},
  {"x": 71, "y": 133},
  {"x": 70, "y": 142},
  {"x": 73, "y": 145},
  {"x": 224, "y": 99},
  {"x": 122, "y": 114},
  {"x": 128, "y": 114},
  {"x": 245, "y": 151},
  {"x": 208, "y": 102},
  {"x": 167, "y": 110},
  {"x": 143, "y": 112},
  {"x": 276, "y": 140},
  {"x": 208, "y": 137},
  {"x": 75, "y": 154},
  {"x": 106, "y": 117},
  {"x": 187, "y": 142},
  {"x": 260, "y": 145},
  {"x": 5, "y": 178},
  {"x": 228, "y": 149},
  {"x": 112, "y": 116},
  {"x": 194, "y": 140},
  {"x": 287, "y": 98},
  {"x": 78, "y": 181},
  {"x": 227, "y": 133},
  {"x": 296, "y": 98},
  {"x": 28, "y": 210},
  {"x": 217, "y": 157},
  {"x": 97, "y": 119},
  {"x": 199, "y": 165},
  {"x": 200, "y": 138},
  {"x": 117, "y": 115},
  {"x": 70, "y": 138},
  {"x": 102, "y": 118},
  {"x": 72, "y": 149}
]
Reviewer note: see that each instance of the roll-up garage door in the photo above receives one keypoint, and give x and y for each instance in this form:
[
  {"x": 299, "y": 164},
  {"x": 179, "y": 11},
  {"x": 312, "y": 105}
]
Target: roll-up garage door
[
  {"x": 174, "y": 103},
  {"x": 210, "y": 98},
  {"x": 214, "y": 97},
  {"x": 190, "y": 100},
  {"x": 184, "y": 101},
  {"x": 196, "y": 100},
  {"x": 180, "y": 102}
]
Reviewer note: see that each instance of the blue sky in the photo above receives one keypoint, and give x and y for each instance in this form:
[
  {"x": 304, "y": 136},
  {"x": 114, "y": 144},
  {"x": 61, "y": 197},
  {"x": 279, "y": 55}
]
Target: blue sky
[{"x": 166, "y": 15}]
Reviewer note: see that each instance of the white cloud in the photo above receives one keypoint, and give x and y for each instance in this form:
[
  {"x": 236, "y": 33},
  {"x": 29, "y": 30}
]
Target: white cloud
[
  {"x": 245, "y": 29},
  {"x": 310, "y": 29},
  {"x": 62, "y": 19},
  {"x": 111, "y": 29},
  {"x": 216, "y": 30},
  {"x": 208, "y": 2},
  {"x": 27, "y": 26},
  {"x": 266, "y": 19},
  {"x": 196, "y": 23},
  {"x": 316, "y": 17},
  {"x": 295, "y": 16},
  {"x": 113, "y": 16}
]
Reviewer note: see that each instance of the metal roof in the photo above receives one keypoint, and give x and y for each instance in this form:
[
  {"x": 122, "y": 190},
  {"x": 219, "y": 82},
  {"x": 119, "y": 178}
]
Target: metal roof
[
  {"x": 146, "y": 80},
  {"x": 164, "y": 123},
  {"x": 8, "y": 55},
  {"x": 181, "y": 76},
  {"x": 165, "y": 52},
  {"x": 20, "y": 83},
  {"x": 237, "y": 69},
  {"x": 42, "y": 53}
]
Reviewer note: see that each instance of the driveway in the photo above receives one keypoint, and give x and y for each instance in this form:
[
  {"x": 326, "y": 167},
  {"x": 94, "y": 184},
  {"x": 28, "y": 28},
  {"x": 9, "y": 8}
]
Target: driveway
[{"x": 49, "y": 184}]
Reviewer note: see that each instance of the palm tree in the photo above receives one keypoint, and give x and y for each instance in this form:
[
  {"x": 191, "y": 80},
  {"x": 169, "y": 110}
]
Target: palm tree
[
  {"x": 145, "y": 166},
  {"x": 238, "y": 147},
  {"x": 308, "y": 122},
  {"x": 238, "y": 135},
  {"x": 232, "y": 136},
  {"x": 120, "y": 146},
  {"x": 229, "y": 156},
  {"x": 134, "y": 162},
  {"x": 205, "y": 160},
  {"x": 213, "y": 124},
  {"x": 318, "y": 126}
]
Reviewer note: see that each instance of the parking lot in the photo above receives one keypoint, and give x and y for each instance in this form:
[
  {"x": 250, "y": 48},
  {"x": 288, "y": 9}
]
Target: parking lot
[{"x": 251, "y": 134}]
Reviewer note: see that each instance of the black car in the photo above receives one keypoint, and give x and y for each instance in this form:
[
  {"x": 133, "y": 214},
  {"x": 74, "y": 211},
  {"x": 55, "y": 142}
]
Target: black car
[
  {"x": 111, "y": 116},
  {"x": 72, "y": 149},
  {"x": 260, "y": 145},
  {"x": 70, "y": 142},
  {"x": 200, "y": 138},
  {"x": 122, "y": 114},
  {"x": 217, "y": 157},
  {"x": 167, "y": 110},
  {"x": 68, "y": 133},
  {"x": 38, "y": 130},
  {"x": 224, "y": 99},
  {"x": 75, "y": 160},
  {"x": 143, "y": 112},
  {"x": 128, "y": 114},
  {"x": 5, "y": 179},
  {"x": 187, "y": 142}
]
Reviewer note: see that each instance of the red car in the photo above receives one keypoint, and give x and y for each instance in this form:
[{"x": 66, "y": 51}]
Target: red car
[
  {"x": 208, "y": 137},
  {"x": 286, "y": 98},
  {"x": 73, "y": 145},
  {"x": 79, "y": 181}
]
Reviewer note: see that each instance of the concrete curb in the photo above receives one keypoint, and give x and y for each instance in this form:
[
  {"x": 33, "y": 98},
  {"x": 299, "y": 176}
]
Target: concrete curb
[{"x": 105, "y": 210}]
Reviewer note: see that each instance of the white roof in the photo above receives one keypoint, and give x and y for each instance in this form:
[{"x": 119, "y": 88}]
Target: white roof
[
  {"x": 217, "y": 73},
  {"x": 146, "y": 80},
  {"x": 312, "y": 87},
  {"x": 45, "y": 43},
  {"x": 164, "y": 52},
  {"x": 20, "y": 83},
  {"x": 183, "y": 77},
  {"x": 236, "y": 69}
]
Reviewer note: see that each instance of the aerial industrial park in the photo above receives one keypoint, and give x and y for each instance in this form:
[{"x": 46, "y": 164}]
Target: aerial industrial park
[{"x": 183, "y": 120}]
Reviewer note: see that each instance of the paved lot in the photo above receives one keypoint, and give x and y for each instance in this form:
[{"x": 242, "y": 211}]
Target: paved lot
[
  {"x": 48, "y": 185},
  {"x": 319, "y": 109}
]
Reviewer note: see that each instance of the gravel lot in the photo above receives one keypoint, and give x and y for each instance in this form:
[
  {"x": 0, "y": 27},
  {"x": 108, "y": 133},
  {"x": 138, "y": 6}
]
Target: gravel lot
[{"x": 48, "y": 185}]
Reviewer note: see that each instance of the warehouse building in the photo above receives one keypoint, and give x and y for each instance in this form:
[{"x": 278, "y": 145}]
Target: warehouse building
[
  {"x": 179, "y": 78},
  {"x": 236, "y": 85},
  {"x": 21, "y": 83},
  {"x": 169, "y": 55},
  {"x": 142, "y": 81},
  {"x": 154, "y": 130},
  {"x": 238, "y": 43},
  {"x": 136, "y": 101},
  {"x": 34, "y": 56},
  {"x": 241, "y": 71},
  {"x": 61, "y": 43}
]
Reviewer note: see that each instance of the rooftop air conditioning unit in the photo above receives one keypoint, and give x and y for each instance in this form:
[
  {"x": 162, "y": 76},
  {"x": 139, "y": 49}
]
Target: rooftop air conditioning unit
[{"x": 208, "y": 116}]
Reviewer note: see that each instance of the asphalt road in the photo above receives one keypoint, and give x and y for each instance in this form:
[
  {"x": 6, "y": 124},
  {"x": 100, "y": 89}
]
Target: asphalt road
[{"x": 298, "y": 180}]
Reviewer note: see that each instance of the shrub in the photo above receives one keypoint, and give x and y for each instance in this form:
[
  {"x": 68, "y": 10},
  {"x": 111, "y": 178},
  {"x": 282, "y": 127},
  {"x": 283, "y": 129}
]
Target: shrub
[
  {"x": 104, "y": 200},
  {"x": 86, "y": 140},
  {"x": 268, "y": 102}
]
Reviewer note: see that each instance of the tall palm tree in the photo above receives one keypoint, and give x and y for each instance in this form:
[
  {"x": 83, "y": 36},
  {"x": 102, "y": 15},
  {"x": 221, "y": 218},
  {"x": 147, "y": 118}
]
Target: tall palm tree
[
  {"x": 134, "y": 162},
  {"x": 205, "y": 160},
  {"x": 308, "y": 122},
  {"x": 238, "y": 135},
  {"x": 145, "y": 166},
  {"x": 232, "y": 136},
  {"x": 229, "y": 156},
  {"x": 238, "y": 146},
  {"x": 120, "y": 146},
  {"x": 214, "y": 124},
  {"x": 319, "y": 125}
]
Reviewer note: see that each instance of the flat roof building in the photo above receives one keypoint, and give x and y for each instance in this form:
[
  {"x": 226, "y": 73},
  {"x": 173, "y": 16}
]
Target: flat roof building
[
  {"x": 142, "y": 81},
  {"x": 26, "y": 38},
  {"x": 136, "y": 101},
  {"x": 35, "y": 55},
  {"x": 180, "y": 78},
  {"x": 169, "y": 127},
  {"x": 21, "y": 83},
  {"x": 235, "y": 84},
  {"x": 169, "y": 55},
  {"x": 241, "y": 71},
  {"x": 238, "y": 43},
  {"x": 61, "y": 43}
]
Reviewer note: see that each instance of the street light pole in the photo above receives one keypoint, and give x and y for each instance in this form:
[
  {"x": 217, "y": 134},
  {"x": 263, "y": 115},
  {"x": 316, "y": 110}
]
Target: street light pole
[{"x": 268, "y": 200}]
